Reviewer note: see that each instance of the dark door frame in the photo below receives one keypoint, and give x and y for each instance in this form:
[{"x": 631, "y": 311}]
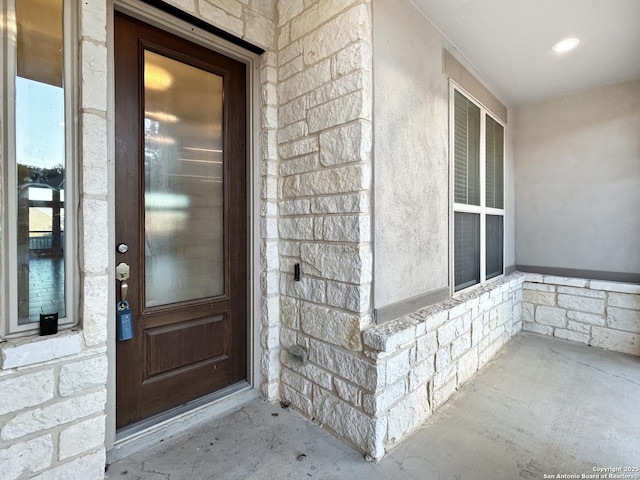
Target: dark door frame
[{"x": 180, "y": 27}]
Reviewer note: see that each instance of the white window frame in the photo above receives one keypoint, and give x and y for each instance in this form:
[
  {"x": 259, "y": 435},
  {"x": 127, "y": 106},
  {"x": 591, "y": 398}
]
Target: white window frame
[
  {"x": 481, "y": 209},
  {"x": 9, "y": 290}
]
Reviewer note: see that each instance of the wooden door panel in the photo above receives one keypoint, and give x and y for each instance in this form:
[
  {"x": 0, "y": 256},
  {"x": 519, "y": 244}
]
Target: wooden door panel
[
  {"x": 190, "y": 339},
  {"x": 172, "y": 348}
]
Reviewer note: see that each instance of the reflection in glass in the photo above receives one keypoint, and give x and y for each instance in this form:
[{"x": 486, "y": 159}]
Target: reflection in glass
[
  {"x": 40, "y": 157},
  {"x": 184, "y": 235}
]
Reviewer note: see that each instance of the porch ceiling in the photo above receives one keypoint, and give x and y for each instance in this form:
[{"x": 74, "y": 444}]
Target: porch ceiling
[{"x": 509, "y": 43}]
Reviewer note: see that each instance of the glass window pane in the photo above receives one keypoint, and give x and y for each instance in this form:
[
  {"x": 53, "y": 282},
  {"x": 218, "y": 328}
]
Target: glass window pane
[
  {"x": 494, "y": 245},
  {"x": 466, "y": 151},
  {"x": 494, "y": 163},
  {"x": 40, "y": 158},
  {"x": 184, "y": 194},
  {"x": 466, "y": 249}
]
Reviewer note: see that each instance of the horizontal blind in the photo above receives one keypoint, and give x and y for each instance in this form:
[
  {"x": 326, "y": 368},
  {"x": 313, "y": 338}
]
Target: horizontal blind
[
  {"x": 494, "y": 163},
  {"x": 466, "y": 249},
  {"x": 494, "y": 245},
  {"x": 466, "y": 151}
]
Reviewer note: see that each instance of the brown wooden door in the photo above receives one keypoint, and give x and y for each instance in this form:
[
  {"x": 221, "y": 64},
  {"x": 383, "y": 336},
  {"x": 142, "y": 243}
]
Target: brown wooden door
[{"x": 181, "y": 210}]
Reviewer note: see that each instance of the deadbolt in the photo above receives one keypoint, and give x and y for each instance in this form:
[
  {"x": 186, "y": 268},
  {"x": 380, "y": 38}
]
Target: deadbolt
[{"x": 123, "y": 248}]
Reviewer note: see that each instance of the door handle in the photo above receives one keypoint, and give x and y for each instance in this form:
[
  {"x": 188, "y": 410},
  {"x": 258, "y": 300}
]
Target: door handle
[{"x": 122, "y": 274}]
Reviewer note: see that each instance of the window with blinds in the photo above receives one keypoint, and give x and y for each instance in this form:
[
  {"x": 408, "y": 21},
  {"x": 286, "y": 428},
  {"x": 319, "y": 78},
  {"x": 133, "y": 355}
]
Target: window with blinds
[{"x": 478, "y": 193}]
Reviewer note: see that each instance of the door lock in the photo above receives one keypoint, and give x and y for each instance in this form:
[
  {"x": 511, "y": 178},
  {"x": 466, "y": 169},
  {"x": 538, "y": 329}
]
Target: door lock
[{"x": 122, "y": 274}]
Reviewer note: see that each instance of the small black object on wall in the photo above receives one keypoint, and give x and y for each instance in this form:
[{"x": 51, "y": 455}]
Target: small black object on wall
[{"x": 48, "y": 323}]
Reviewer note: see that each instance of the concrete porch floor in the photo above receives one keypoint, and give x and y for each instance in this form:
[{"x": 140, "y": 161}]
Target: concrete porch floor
[{"x": 542, "y": 406}]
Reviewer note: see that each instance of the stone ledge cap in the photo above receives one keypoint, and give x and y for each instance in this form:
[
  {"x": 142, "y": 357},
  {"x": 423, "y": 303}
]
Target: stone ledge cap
[
  {"x": 389, "y": 336},
  {"x": 29, "y": 350}
]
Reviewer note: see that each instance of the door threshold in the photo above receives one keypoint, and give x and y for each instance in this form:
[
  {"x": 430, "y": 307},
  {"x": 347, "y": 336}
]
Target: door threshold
[{"x": 145, "y": 434}]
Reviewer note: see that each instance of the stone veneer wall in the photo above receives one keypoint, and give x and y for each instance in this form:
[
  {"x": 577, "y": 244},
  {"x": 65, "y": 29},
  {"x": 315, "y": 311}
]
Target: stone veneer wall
[
  {"x": 407, "y": 369},
  {"x": 593, "y": 312},
  {"x": 324, "y": 143},
  {"x": 53, "y": 390},
  {"x": 426, "y": 356}
]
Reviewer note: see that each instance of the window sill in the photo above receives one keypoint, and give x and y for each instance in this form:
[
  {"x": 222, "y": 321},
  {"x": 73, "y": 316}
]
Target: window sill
[{"x": 20, "y": 352}]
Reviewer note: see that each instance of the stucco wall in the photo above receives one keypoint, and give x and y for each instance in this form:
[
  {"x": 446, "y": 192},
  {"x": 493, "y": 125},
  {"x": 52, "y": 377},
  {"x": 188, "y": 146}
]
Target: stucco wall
[
  {"x": 578, "y": 181},
  {"x": 411, "y": 135},
  {"x": 411, "y": 163}
]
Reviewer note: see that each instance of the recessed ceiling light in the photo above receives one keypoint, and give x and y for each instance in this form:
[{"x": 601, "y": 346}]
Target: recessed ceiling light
[{"x": 565, "y": 45}]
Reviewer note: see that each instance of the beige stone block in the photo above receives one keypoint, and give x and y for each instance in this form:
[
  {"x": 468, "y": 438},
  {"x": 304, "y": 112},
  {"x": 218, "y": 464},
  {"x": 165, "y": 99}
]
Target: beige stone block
[
  {"x": 389, "y": 336},
  {"x": 40, "y": 349},
  {"x": 378, "y": 405},
  {"x": 347, "y": 365},
  {"x": 53, "y": 415},
  {"x": 94, "y": 20},
  {"x": 539, "y": 287},
  {"x": 259, "y": 29},
  {"x": 333, "y": 326},
  {"x": 623, "y": 319},
  {"x": 589, "y": 318},
  {"x": 289, "y": 9},
  {"x": 304, "y": 82},
  {"x": 615, "y": 340},
  {"x": 581, "y": 304},
  {"x": 571, "y": 335},
  {"x": 441, "y": 395},
  {"x": 304, "y": 146},
  {"x": 349, "y": 143},
  {"x": 467, "y": 366},
  {"x": 348, "y": 392},
  {"x": 345, "y": 263},
  {"x": 539, "y": 298},
  {"x": 349, "y": 423},
  {"x": 83, "y": 375},
  {"x": 82, "y": 437},
  {"x": 421, "y": 373},
  {"x": 328, "y": 39},
  {"x": 82, "y": 468},
  {"x": 347, "y": 228},
  {"x": 566, "y": 281},
  {"x": 355, "y": 298},
  {"x": 296, "y": 381},
  {"x": 619, "y": 287},
  {"x": 296, "y": 228},
  {"x": 95, "y": 308},
  {"x": 582, "y": 292},
  {"x": 315, "y": 15},
  {"x": 94, "y": 77},
  {"x": 26, "y": 458},
  {"x": 25, "y": 390},
  {"x": 339, "y": 87},
  {"x": 350, "y": 203},
  {"x": 292, "y": 132},
  {"x": 398, "y": 366},
  {"x": 625, "y": 300},
  {"x": 348, "y": 108},
  {"x": 298, "y": 165},
  {"x": 555, "y": 317},
  {"x": 408, "y": 414},
  {"x": 354, "y": 57},
  {"x": 225, "y": 15},
  {"x": 94, "y": 154},
  {"x": 95, "y": 219}
]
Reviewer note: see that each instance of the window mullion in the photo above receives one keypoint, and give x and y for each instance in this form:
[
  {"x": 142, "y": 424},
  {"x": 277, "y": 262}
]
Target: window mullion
[
  {"x": 483, "y": 196},
  {"x": 10, "y": 69}
]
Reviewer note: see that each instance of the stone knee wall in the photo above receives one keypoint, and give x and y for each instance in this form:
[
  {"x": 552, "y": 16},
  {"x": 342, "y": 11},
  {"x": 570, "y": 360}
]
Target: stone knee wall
[
  {"x": 593, "y": 312},
  {"x": 52, "y": 409},
  {"x": 426, "y": 356}
]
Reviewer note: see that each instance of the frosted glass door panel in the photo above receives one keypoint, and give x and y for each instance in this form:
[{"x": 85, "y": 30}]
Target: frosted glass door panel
[{"x": 184, "y": 190}]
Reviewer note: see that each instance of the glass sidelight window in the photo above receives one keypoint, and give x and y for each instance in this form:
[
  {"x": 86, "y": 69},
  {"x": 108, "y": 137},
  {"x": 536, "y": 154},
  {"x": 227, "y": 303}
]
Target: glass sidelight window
[
  {"x": 37, "y": 145},
  {"x": 478, "y": 193}
]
